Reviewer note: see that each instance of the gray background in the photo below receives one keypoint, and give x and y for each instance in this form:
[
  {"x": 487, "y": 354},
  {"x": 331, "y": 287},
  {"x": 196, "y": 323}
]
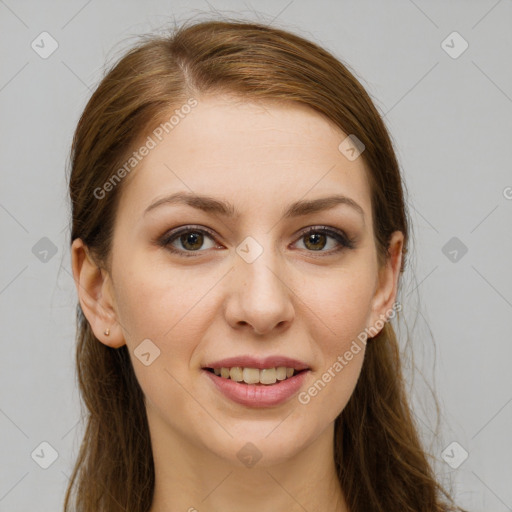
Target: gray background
[{"x": 451, "y": 119}]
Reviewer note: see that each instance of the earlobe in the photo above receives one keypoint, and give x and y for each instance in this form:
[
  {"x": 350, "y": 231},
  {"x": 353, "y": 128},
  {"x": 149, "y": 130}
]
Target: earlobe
[
  {"x": 387, "y": 287},
  {"x": 93, "y": 285}
]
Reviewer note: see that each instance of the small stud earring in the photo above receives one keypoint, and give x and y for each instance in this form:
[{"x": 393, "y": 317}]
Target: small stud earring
[{"x": 107, "y": 332}]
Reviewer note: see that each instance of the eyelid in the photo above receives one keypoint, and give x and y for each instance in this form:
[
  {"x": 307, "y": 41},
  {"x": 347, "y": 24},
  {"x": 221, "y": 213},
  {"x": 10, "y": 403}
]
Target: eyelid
[
  {"x": 343, "y": 240},
  {"x": 332, "y": 232},
  {"x": 173, "y": 234}
]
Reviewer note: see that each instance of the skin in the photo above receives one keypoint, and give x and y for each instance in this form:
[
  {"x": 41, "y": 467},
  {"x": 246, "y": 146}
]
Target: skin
[{"x": 291, "y": 300}]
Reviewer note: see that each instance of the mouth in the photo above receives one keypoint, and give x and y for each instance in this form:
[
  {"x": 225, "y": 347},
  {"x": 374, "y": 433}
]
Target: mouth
[
  {"x": 256, "y": 376},
  {"x": 257, "y": 387}
]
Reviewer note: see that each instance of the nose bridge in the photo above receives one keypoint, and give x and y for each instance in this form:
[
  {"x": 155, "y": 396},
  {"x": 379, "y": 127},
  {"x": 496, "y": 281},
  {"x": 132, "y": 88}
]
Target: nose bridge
[{"x": 259, "y": 295}]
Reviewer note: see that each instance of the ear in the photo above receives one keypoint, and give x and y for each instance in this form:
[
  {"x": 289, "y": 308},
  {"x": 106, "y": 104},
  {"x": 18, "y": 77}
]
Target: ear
[
  {"x": 387, "y": 281},
  {"x": 94, "y": 288}
]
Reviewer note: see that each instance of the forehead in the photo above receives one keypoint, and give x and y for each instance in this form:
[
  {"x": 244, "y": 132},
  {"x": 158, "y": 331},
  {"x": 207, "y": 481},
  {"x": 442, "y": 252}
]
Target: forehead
[{"x": 250, "y": 154}]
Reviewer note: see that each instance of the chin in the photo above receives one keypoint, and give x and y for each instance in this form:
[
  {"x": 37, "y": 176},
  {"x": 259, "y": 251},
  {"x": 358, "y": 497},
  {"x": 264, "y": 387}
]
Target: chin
[{"x": 258, "y": 444}]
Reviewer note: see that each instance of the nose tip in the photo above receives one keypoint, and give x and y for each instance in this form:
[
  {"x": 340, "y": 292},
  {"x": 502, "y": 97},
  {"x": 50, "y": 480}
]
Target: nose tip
[
  {"x": 260, "y": 329},
  {"x": 258, "y": 298}
]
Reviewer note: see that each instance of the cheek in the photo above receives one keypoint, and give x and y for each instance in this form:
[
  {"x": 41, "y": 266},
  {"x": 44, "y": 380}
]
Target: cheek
[
  {"x": 157, "y": 305},
  {"x": 344, "y": 304},
  {"x": 171, "y": 307},
  {"x": 152, "y": 299},
  {"x": 343, "y": 308}
]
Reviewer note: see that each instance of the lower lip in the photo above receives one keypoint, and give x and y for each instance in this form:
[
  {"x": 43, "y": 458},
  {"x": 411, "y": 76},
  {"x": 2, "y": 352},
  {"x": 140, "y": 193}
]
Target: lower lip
[{"x": 258, "y": 395}]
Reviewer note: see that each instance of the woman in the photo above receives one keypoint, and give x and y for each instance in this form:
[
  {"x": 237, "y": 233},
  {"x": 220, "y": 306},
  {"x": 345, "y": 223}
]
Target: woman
[{"x": 238, "y": 235}]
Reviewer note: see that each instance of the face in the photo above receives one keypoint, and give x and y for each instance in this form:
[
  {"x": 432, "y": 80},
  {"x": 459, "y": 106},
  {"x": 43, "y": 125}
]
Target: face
[{"x": 257, "y": 281}]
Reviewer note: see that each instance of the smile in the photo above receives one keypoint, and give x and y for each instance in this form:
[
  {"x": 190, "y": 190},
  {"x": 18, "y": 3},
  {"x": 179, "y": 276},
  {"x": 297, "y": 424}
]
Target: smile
[
  {"x": 266, "y": 376},
  {"x": 257, "y": 394}
]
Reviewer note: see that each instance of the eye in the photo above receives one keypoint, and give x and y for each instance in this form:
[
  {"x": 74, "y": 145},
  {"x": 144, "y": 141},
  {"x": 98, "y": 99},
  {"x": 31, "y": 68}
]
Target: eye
[
  {"x": 316, "y": 238},
  {"x": 190, "y": 239}
]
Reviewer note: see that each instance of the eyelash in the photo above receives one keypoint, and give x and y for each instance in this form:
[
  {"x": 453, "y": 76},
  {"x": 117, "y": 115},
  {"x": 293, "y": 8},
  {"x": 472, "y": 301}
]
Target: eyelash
[{"x": 344, "y": 241}]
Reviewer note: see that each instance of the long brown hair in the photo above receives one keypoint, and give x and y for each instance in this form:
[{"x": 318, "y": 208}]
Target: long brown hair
[{"x": 380, "y": 461}]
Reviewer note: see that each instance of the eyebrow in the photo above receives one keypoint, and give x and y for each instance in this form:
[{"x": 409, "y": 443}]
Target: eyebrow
[{"x": 212, "y": 205}]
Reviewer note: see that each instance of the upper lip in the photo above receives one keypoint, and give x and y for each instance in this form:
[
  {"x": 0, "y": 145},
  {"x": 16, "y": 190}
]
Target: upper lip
[{"x": 260, "y": 363}]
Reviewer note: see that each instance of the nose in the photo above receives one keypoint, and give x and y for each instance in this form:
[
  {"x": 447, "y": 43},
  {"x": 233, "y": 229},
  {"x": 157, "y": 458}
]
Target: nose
[{"x": 259, "y": 298}]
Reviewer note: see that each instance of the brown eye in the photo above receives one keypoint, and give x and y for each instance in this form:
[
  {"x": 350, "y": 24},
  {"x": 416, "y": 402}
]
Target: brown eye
[
  {"x": 317, "y": 238},
  {"x": 187, "y": 240},
  {"x": 315, "y": 241},
  {"x": 192, "y": 240}
]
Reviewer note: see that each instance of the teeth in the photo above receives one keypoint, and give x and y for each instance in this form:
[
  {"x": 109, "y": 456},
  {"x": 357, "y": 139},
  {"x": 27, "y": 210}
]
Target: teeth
[
  {"x": 236, "y": 374},
  {"x": 251, "y": 375},
  {"x": 281, "y": 373},
  {"x": 254, "y": 375},
  {"x": 268, "y": 376}
]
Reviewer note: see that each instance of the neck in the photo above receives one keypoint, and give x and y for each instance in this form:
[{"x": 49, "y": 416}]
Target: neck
[{"x": 192, "y": 478}]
